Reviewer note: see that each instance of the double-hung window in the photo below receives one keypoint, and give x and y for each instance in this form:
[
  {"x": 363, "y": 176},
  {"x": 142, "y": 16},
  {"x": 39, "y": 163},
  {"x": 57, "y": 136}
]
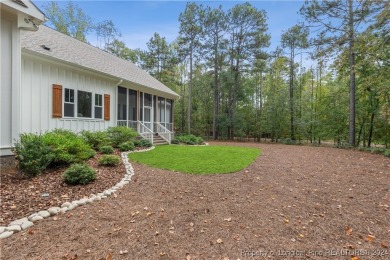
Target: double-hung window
[
  {"x": 69, "y": 103},
  {"x": 98, "y": 106}
]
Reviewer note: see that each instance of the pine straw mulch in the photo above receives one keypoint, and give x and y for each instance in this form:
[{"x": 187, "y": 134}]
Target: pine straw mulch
[
  {"x": 316, "y": 202},
  {"x": 22, "y": 195}
]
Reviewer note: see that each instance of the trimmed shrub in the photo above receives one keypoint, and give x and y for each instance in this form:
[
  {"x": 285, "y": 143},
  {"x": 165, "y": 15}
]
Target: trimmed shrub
[
  {"x": 145, "y": 143},
  {"x": 68, "y": 147},
  {"x": 79, "y": 174},
  {"x": 142, "y": 143},
  {"x": 189, "y": 139},
  {"x": 120, "y": 134},
  {"x": 96, "y": 139},
  {"x": 107, "y": 149},
  {"x": 387, "y": 153},
  {"x": 175, "y": 141},
  {"x": 128, "y": 146},
  {"x": 33, "y": 154},
  {"x": 109, "y": 160}
]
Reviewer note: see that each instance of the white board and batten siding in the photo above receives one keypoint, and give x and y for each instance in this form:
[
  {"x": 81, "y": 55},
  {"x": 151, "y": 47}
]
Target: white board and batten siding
[{"x": 38, "y": 77}]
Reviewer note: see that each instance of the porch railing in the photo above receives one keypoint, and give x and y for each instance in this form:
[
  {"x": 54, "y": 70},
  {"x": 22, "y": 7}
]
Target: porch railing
[
  {"x": 165, "y": 133},
  {"x": 145, "y": 132},
  {"x": 128, "y": 123}
]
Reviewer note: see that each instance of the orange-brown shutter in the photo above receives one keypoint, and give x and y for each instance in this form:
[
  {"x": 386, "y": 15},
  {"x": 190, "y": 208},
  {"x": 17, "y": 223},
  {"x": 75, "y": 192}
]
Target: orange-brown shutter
[
  {"x": 106, "y": 107},
  {"x": 57, "y": 101}
]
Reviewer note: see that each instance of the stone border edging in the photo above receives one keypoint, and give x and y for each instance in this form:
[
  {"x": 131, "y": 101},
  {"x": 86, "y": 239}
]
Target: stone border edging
[{"x": 24, "y": 223}]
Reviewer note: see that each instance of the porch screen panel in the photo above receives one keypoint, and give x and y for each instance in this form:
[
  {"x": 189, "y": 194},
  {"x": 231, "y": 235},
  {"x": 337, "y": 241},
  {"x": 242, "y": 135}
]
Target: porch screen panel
[
  {"x": 161, "y": 110},
  {"x": 141, "y": 105},
  {"x": 122, "y": 103},
  {"x": 169, "y": 111},
  {"x": 132, "y": 105}
]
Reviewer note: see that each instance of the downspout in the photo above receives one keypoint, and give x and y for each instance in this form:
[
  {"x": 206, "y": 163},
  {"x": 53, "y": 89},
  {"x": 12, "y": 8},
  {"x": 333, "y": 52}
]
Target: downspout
[{"x": 116, "y": 100}]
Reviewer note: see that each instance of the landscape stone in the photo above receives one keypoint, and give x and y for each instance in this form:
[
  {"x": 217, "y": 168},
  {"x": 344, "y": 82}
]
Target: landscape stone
[
  {"x": 26, "y": 225},
  {"x": 6, "y": 234},
  {"x": 44, "y": 213},
  {"x": 14, "y": 228},
  {"x": 54, "y": 210},
  {"x": 31, "y": 216},
  {"x": 65, "y": 204},
  {"x": 2, "y": 229},
  {"x": 36, "y": 218},
  {"x": 18, "y": 222}
]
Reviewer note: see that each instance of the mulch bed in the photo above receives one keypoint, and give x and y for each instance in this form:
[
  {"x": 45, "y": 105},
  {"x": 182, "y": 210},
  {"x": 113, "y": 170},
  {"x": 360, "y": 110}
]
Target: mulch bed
[
  {"x": 22, "y": 195},
  {"x": 311, "y": 202}
]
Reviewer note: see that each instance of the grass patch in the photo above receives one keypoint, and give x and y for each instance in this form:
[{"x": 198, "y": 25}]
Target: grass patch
[{"x": 198, "y": 159}]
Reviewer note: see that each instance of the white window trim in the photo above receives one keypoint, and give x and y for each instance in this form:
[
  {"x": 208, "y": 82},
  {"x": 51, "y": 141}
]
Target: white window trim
[
  {"x": 75, "y": 103},
  {"x": 94, "y": 105},
  {"x": 64, "y": 102}
]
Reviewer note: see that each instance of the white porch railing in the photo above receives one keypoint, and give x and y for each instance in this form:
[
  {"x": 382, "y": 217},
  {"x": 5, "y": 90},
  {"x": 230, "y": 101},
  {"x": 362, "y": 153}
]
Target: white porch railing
[
  {"x": 164, "y": 132},
  {"x": 128, "y": 123},
  {"x": 145, "y": 132}
]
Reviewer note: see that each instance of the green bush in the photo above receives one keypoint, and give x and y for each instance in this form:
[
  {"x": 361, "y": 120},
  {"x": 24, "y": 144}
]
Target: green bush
[
  {"x": 107, "y": 149},
  {"x": 128, "y": 146},
  {"x": 79, "y": 174},
  {"x": 175, "y": 141},
  {"x": 109, "y": 160},
  {"x": 145, "y": 143},
  {"x": 189, "y": 139},
  {"x": 387, "y": 153},
  {"x": 120, "y": 134},
  {"x": 67, "y": 147},
  {"x": 377, "y": 150},
  {"x": 33, "y": 154},
  {"x": 96, "y": 139}
]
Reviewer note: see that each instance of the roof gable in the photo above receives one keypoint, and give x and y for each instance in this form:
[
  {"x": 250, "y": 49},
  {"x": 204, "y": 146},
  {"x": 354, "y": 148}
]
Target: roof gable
[
  {"x": 24, "y": 7},
  {"x": 56, "y": 45}
]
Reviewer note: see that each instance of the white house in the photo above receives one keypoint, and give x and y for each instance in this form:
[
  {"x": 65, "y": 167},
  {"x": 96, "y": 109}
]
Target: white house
[{"x": 50, "y": 80}]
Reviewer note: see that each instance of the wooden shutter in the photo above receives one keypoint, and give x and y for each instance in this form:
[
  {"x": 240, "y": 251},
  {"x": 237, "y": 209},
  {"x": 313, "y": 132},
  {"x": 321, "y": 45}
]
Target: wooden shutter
[
  {"x": 57, "y": 101},
  {"x": 106, "y": 107}
]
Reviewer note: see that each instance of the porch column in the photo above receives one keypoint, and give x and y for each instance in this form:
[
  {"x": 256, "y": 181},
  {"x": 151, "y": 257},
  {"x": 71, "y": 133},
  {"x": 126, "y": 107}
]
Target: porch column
[
  {"x": 173, "y": 115},
  {"x": 138, "y": 110}
]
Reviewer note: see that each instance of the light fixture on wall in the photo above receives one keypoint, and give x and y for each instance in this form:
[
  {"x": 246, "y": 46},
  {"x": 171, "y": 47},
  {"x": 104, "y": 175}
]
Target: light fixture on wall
[{"x": 30, "y": 20}]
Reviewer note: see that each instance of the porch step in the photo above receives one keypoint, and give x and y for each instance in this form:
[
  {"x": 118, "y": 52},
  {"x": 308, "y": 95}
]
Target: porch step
[{"x": 158, "y": 140}]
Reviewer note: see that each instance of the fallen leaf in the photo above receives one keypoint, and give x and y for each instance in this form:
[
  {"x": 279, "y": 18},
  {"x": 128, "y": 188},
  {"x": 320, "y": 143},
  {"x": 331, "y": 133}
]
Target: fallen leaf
[
  {"x": 228, "y": 219},
  {"x": 370, "y": 238},
  {"x": 30, "y": 232},
  {"x": 286, "y": 221},
  {"x": 109, "y": 256},
  {"x": 219, "y": 241},
  {"x": 348, "y": 230},
  {"x": 384, "y": 245},
  {"x": 355, "y": 258}
]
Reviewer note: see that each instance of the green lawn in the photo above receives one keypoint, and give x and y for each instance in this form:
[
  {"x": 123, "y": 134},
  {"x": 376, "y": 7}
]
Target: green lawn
[{"x": 198, "y": 159}]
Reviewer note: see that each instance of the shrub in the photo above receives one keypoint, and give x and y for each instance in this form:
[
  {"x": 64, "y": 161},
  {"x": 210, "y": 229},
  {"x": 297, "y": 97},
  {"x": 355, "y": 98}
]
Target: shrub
[
  {"x": 175, "y": 141},
  {"x": 79, "y": 174},
  {"x": 377, "y": 150},
  {"x": 145, "y": 143},
  {"x": 33, "y": 154},
  {"x": 96, "y": 139},
  {"x": 107, "y": 149},
  {"x": 109, "y": 160},
  {"x": 68, "y": 147},
  {"x": 288, "y": 141},
  {"x": 120, "y": 134},
  {"x": 387, "y": 153},
  {"x": 189, "y": 139},
  {"x": 128, "y": 146}
]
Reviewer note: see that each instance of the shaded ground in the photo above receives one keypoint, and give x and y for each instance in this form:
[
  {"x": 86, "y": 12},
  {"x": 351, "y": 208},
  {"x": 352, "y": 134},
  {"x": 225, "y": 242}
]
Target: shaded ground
[
  {"x": 21, "y": 196},
  {"x": 316, "y": 202}
]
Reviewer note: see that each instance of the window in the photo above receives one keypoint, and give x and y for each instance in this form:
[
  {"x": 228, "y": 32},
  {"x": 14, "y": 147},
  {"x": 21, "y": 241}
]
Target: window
[
  {"x": 98, "y": 106},
  {"x": 84, "y": 104},
  {"x": 69, "y": 103}
]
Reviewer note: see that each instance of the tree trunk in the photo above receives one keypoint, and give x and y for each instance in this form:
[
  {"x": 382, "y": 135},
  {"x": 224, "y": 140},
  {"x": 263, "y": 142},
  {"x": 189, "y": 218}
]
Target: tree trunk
[
  {"x": 291, "y": 92},
  {"x": 352, "y": 85},
  {"x": 216, "y": 95},
  {"x": 190, "y": 97}
]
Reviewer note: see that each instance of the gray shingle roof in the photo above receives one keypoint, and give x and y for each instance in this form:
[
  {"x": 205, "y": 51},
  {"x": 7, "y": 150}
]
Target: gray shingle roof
[{"x": 73, "y": 51}]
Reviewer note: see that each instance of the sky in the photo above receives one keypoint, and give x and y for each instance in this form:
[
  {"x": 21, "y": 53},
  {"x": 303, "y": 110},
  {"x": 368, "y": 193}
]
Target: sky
[{"x": 138, "y": 20}]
